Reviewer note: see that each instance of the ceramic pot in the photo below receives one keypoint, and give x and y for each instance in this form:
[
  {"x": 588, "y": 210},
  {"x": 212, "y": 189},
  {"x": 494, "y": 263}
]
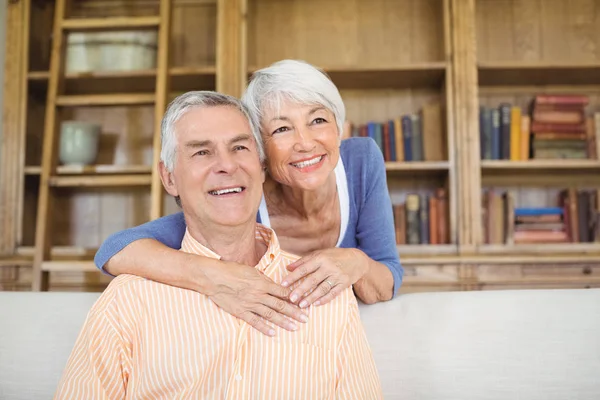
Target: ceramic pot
[{"x": 78, "y": 143}]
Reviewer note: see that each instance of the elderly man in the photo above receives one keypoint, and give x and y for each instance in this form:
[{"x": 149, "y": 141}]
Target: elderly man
[{"x": 143, "y": 339}]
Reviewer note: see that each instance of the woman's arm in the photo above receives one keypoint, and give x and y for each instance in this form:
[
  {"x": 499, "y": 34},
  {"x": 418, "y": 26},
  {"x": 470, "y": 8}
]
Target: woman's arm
[
  {"x": 376, "y": 234},
  {"x": 241, "y": 291}
]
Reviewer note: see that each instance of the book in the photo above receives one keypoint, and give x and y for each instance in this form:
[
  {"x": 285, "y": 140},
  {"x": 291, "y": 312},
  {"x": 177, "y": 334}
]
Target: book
[
  {"x": 399, "y": 139},
  {"x": 567, "y": 99},
  {"x": 424, "y": 218},
  {"x": 413, "y": 227},
  {"x": 505, "y": 118},
  {"x": 407, "y": 137},
  {"x": 433, "y": 132},
  {"x": 496, "y": 136},
  {"x": 525, "y": 147},
  {"x": 515, "y": 133},
  {"x": 417, "y": 138}
]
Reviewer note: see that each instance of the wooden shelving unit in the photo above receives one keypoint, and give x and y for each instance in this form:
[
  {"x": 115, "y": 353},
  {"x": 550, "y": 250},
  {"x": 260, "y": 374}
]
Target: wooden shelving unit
[{"x": 387, "y": 58}]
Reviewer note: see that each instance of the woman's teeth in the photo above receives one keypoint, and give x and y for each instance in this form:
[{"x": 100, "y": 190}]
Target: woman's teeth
[{"x": 307, "y": 163}]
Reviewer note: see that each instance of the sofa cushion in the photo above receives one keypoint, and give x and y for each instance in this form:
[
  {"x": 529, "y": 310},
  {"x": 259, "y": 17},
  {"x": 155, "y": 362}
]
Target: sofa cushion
[
  {"x": 37, "y": 334},
  {"x": 531, "y": 344}
]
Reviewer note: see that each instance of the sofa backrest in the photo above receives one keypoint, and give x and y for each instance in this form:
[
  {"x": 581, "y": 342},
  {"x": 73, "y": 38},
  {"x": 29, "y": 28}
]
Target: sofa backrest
[{"x": 541, "y": 344}]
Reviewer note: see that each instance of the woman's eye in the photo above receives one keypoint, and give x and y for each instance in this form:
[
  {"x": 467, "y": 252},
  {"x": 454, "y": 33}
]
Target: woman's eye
[
  {"x": 319, "y": 120},
  {"x": 281, "y": 129},
  {"x": 201, "y": 153}
]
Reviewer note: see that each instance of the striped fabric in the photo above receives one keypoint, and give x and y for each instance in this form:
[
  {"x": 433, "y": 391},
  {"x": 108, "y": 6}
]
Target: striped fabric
[{"x": 146, "y": 340}]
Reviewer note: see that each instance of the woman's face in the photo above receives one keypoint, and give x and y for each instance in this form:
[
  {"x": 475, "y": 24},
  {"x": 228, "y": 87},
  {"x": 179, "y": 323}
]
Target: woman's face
[{"x": 301, "y": 143}]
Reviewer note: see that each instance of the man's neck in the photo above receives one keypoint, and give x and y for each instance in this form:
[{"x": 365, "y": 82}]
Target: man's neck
[{"x": 237, "y": 244}]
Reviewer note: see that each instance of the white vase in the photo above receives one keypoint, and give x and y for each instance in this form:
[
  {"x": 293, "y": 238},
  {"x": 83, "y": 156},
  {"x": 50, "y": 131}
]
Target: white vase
[{"x": 78, "y": 143}]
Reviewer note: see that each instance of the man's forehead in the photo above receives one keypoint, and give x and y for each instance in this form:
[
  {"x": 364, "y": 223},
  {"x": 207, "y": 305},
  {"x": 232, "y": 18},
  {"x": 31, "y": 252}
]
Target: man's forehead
[{"x": 215, "y": 123}]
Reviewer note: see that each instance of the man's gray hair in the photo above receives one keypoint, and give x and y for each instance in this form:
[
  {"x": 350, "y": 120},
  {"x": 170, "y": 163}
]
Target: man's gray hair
[
  {"x": 185, "y": 103},
  {"x": 292, "y": 80}
]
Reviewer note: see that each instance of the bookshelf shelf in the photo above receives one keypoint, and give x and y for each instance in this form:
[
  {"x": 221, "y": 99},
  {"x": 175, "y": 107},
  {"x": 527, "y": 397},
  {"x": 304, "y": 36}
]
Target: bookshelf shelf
[
  {"x": 554, "y": 249},
  {"x": 498, "y": 167},
  {"x": 140, "y": 81},
  {"x": 417, "y": 168},
  {"x": 93, "y": 169},
  {"x": 418, "y": 75},
  {"x": 518, "y": 73}
]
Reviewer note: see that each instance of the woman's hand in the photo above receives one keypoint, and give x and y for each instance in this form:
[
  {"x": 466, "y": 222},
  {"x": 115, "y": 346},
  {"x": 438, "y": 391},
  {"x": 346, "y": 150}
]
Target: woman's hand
[
  {"x": 327, "y": 273},
  {"x": 246, "y": 293}
]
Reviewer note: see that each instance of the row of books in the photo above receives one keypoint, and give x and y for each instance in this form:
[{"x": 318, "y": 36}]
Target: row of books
[
  {"x": 555, "y": 128},
  {"x": 411, "y": 137},
  {"x": 422, "y": 219},
  {"x": 575, "y": 218}
]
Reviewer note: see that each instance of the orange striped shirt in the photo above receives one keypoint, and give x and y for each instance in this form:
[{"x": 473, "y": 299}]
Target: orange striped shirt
[{"x": 143, "y": 339}]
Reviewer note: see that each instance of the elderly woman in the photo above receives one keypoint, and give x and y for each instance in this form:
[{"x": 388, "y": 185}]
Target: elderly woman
[{"x": 326, "y": 200}]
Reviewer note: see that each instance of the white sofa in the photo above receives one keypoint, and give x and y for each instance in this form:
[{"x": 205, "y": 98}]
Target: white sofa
[{"x": 530, "y": 345}]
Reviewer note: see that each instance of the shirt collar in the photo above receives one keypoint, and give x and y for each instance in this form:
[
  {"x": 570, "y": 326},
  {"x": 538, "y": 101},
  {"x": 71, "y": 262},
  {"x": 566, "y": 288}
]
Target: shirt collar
[{"x": 262, "y": 233}]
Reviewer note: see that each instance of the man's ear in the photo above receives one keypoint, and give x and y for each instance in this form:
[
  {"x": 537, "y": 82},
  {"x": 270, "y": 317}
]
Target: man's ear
[{"x": 167, "y": 179}]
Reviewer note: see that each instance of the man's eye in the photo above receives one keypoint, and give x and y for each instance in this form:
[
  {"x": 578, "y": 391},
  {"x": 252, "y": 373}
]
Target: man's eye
[
  {"x": 201, "y": 153},
  {"x": 282, "y": 129},
  {"x": 240, "y": 147}
]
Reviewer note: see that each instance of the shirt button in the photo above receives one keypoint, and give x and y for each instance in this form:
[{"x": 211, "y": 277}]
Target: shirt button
[{"x": 238, "y": 378}]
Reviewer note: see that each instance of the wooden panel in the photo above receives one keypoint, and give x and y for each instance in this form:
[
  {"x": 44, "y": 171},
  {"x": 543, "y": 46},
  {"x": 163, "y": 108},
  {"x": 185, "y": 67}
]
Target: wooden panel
[
  {"x": 552, "y": 73},
  {"x": 345, "y": 32},
  {"x": 549, "y": 30},
  {"x": 110, "y": 24},
  {"x": 86, "y": 218},
  {"x": 12, "y": 126},
  {"x": 430, "y": 278},
  {"x": 231, "y": 47},
  {"x": 42, "y": 16},
  {"x": 466, "y": 123},
  {"x": 193, "y": 34},
  {"x": 528, "y": 276}
]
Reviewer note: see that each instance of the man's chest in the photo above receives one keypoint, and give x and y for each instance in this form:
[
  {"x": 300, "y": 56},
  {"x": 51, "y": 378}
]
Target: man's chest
[{"x": 198, "y": 351}]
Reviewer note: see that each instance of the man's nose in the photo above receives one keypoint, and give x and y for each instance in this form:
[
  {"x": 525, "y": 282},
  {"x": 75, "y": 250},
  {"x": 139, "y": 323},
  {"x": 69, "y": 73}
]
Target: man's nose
[{"x": 225, "y": 163}]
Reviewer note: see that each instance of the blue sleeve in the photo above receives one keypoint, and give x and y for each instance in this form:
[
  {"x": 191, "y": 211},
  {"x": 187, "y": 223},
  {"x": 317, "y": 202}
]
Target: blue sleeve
[
  {"x": 168, "y": 230},
  {"x": 375, "y": 231}
]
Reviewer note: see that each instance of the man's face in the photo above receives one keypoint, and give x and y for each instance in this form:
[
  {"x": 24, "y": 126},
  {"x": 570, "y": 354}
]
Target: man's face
[{"x": 217, "y": 171}]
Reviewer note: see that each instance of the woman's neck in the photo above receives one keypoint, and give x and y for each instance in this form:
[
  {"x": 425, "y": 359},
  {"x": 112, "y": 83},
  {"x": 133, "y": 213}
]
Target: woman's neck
[{"x": 302, "y": 203}]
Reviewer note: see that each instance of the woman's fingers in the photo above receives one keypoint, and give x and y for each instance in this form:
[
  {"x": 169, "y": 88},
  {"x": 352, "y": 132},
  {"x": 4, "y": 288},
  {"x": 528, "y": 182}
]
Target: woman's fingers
[
  {"x": 309, "y": 284},
  {"x": 300, "y": 272},
  {"x": 313, "y": 298}
]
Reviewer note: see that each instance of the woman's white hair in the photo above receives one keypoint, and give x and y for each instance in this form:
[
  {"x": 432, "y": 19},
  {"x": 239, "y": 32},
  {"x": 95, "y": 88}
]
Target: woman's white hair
[
  {"x": 293, "y": 80},
  {"x": 187, "y": 101}
]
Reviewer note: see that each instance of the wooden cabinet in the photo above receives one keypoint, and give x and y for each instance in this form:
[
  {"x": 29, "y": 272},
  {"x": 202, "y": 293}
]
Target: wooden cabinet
[{"x": 389, "y": 58}]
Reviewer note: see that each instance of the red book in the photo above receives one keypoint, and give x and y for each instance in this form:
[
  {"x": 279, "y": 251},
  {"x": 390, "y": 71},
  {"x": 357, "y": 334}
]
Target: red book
[
  {"x": 387, "y": 152},
  {"x": 558, "y": 128},
  {"x": 569, "y": 99}
]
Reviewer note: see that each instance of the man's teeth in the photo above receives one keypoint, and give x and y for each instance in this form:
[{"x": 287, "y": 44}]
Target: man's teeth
[
  {"x": 308, "y": 162},
  {"x": 225, "y": 191}
]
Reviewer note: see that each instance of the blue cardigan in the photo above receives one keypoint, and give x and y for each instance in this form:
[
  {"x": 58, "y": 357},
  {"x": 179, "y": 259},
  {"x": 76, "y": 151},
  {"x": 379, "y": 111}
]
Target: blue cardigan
[{"x": 370, "y": 225}]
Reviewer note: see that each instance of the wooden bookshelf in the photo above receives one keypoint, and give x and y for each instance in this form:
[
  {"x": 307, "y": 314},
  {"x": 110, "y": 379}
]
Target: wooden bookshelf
[
  {"x": 389, "y": 58},
  {"x": 520, "y": 73},
  {"x": 141, "y": 81},
  {"x": 524, "y": 49}
]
